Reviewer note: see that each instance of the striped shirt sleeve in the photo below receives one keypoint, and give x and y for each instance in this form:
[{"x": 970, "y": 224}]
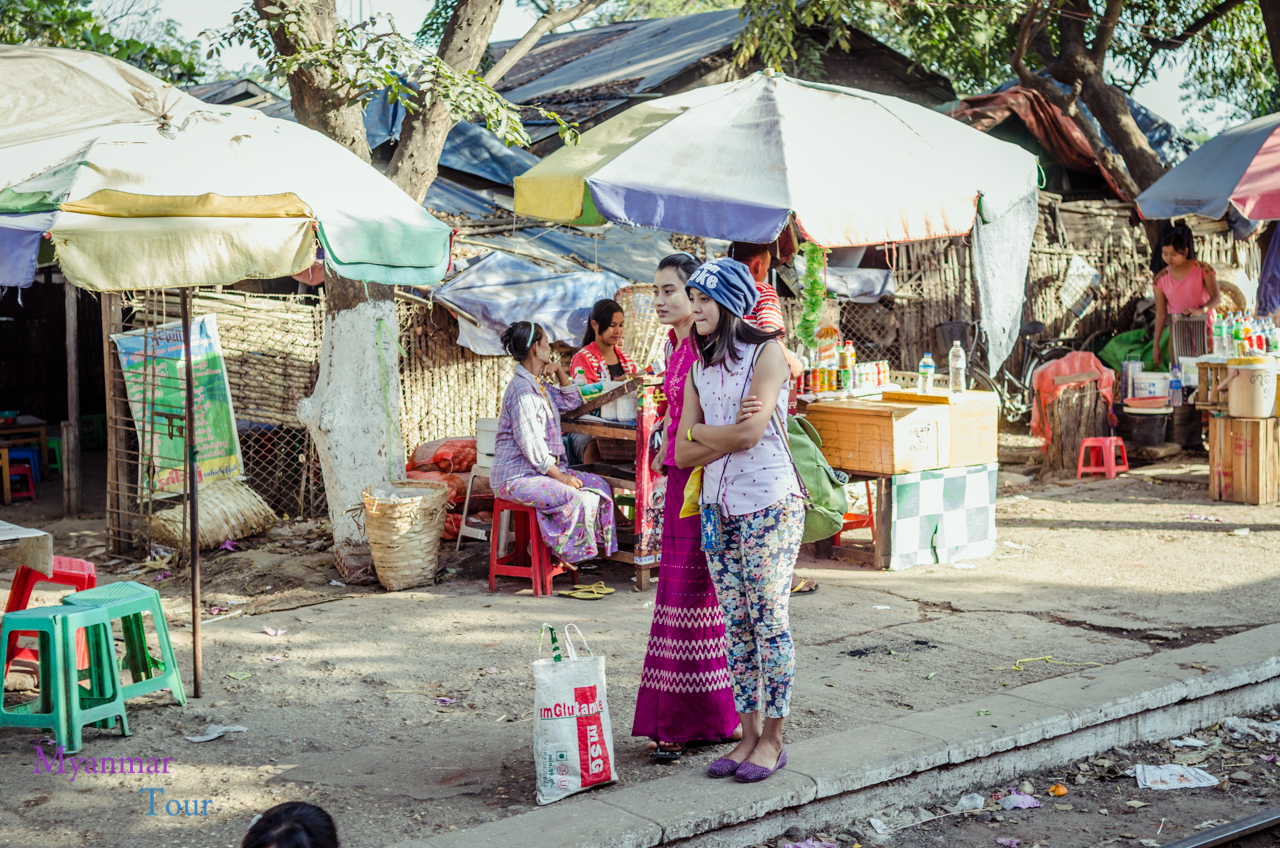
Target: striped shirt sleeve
[{"x": 767, "y": 314}]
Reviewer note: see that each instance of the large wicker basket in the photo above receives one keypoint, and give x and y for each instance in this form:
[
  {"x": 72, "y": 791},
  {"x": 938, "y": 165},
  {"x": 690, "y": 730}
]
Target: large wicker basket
[
  {"x": 404, "y": 530},
  {"x": 229, "y": 509}
]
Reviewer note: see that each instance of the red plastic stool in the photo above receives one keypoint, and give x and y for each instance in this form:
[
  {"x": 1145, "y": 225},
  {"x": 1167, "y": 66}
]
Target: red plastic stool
[
  {"x": 1102, "y": 456},
  {"x": 531, "y": 558},
  {"x": 76, "y": 573},
  {"x": 24, "y": 471},
  {"x": 855, "y": 521}
]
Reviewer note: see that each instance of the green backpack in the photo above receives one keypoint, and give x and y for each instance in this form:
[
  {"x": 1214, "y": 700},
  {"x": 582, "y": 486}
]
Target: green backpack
[{"x": 821, "y": 486}]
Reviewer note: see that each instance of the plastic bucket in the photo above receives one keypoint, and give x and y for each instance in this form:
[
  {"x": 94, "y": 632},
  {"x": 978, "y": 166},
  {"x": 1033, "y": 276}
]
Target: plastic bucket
[
  {"x": 1251, "y": 388},
  {"x": 1150, "y": 384},
  {"x": 1148, "y": 426},
  {"x": 487, "y": 436}
]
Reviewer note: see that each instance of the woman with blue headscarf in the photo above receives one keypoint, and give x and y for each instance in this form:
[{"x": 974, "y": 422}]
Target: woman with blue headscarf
[
  {"x": 575, "y": 509},
  {"x": 752, "y": 512}
]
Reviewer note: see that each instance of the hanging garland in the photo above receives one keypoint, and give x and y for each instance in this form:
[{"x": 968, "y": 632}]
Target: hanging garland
[{"x": 813, "y": 293}]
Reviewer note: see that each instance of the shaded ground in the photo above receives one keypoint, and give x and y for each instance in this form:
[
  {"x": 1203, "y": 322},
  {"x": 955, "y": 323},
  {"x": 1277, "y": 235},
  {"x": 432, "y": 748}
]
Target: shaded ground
[{"x": 342, "y": 708}]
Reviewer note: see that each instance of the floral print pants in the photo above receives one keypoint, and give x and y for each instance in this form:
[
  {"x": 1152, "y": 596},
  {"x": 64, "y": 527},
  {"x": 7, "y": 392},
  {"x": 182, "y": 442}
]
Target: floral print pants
[{"x": 752, "y": 576}]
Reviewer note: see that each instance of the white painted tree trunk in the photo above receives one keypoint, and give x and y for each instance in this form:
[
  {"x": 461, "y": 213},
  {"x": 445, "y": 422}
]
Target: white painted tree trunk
[{"x": 353, "y": 415}]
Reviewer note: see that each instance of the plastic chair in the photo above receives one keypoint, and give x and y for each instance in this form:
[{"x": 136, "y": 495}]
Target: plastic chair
[
  {"x": 127, "y": 601},
  {"x": 531, "y": 558},
  {"x": 1101, "y": 451},
  {"x": 482, "y": 467},
  {"x": 93, "y": 431},
  {"x": 65, "y": 705},
  {"x": 22, "y": 471},
  {"x": 856, "y": 521},
  {"x": 76, "y": 573},
  {"x": 28, "y": 455},
  {"x": 54, "y": 447}
]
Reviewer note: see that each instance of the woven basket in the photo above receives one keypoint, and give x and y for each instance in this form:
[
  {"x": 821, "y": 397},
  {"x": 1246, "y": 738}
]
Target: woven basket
[
  {"x": 229, "y": 509},
  {"x": 404, "y": 531}
]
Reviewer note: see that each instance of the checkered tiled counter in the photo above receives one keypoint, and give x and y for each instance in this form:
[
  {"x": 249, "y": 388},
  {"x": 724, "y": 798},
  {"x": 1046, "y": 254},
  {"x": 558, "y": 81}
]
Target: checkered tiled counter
[{"x": 943, "y": 516}]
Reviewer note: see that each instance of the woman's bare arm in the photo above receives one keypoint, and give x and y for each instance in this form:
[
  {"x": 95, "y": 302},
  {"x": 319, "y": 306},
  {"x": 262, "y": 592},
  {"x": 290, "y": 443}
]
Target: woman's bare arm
[{"x": 771, "y": 373}]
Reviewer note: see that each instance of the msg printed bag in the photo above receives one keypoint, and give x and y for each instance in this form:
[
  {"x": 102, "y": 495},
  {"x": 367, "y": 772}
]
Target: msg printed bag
[{"x": 572, "y": 736}]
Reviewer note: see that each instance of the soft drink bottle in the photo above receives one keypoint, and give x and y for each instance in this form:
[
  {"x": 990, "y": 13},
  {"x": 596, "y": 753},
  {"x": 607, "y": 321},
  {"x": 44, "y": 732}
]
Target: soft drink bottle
[
  {"x": 1175, "y": 386},
  {"x": 924, "y": 375},
  {"x": 956, "y": 368}
]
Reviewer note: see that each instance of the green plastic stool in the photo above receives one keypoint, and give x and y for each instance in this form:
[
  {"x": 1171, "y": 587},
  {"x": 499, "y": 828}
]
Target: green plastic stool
[
  {"x": 93, "y": 431},
  {"x": 54, "y": 445},
  {"x": 127, "y": 601},
  {"x": 65, "y": 705}
]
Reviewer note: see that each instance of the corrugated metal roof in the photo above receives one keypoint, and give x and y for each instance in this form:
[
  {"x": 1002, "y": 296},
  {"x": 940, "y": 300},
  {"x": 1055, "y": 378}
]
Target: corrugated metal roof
[{"x": 653, "y": 51}]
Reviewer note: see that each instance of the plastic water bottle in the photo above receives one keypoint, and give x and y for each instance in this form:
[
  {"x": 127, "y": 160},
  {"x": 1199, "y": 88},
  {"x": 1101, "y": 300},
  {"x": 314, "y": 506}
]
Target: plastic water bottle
[
  {"x": 579, "y": 377},
  {"x": 924, "y": 378},
  {"x": 1219, "y": 348},
  {"x": 1175, "y": 386},
  {"x": 956, "y": 369}
]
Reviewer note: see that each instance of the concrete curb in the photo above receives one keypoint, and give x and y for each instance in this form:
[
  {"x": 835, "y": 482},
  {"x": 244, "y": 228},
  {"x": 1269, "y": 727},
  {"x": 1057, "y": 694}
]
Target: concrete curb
[{"x": 918, "y": 759}]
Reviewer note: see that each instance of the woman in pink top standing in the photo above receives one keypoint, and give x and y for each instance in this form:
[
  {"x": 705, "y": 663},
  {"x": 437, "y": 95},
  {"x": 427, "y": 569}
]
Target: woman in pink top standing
[
  {"x": 686, "y": 694},
  {"x": 752, "y": 513},
  {"x": 1186, "y": 286}
]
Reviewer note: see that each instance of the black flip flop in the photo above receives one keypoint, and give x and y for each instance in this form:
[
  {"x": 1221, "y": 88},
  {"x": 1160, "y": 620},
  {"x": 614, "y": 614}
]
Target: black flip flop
[{"x": 666, "y": 756}]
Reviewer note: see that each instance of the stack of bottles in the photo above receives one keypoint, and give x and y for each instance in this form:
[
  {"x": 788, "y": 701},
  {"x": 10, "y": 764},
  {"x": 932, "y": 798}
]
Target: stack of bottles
[
  {"x": 838, "y": 373},
  {"x": 1243, "y": 334}
]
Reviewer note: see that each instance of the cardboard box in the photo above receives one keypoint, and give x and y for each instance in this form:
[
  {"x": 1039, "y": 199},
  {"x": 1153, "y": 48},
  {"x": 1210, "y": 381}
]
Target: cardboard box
[
  {"x": 975, "y": 422},
  {"x": 1244, "y": 459},
  {"x": 882, "y": 439}
]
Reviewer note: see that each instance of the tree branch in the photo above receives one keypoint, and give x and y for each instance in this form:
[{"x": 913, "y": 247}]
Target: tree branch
[
  {"x": 1195, "y": 26},
  {"x": 547, "y": 23},
  {"x": 1106, "y": 29},
  {"x": 1029, "y": 27}
]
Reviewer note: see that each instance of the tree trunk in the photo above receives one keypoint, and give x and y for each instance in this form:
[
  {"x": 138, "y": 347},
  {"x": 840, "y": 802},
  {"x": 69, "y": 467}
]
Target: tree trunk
[
  {"x": 353, "y": 415},
  {"x": 1271, "y": 19},
  {"x": 316, "y": 103},
  {"x": 417, "y": 158},
  {"x": 1077, "y": 414},
  {"x": 1108, "y": 105}
]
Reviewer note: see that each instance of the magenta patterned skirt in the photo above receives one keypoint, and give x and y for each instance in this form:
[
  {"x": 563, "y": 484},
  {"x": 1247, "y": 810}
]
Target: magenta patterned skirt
[{"x": 686, "y": 692}]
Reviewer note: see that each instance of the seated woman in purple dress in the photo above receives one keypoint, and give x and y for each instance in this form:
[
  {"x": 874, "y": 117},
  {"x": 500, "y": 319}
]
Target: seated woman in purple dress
[{"x": 575, "y": 510}]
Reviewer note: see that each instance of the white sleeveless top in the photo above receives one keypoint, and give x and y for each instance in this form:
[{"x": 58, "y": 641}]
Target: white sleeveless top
[{"x": 750, "y": 480}]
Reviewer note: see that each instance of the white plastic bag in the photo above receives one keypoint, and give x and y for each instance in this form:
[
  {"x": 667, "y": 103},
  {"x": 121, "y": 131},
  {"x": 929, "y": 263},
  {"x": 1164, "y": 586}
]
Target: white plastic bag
[{"x": 572, "y": 736}]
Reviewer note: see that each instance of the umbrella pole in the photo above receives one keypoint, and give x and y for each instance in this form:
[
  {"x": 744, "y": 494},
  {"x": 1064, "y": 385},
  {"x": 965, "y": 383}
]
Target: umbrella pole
[{"x": 197, "y": 658}]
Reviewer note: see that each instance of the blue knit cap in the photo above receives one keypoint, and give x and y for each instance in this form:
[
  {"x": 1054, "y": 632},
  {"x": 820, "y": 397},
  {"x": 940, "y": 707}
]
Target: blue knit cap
[{"x": 729, "y": 283}]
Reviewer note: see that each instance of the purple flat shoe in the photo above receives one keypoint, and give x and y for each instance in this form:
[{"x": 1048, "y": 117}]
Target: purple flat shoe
[
  {"x": 723, "y": 767},
  {"x": 752, "y": 773}
]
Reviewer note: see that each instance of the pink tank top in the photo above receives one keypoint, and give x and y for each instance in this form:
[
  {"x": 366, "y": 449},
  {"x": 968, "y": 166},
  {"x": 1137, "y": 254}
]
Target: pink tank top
[
  {"x": 1188, "y": 293},
  {"x": 750, "y": 480}
]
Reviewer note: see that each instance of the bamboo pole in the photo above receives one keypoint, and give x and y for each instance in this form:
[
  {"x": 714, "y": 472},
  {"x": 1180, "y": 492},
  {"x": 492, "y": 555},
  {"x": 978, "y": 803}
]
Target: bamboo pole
[{"x": 193, "y": 489}]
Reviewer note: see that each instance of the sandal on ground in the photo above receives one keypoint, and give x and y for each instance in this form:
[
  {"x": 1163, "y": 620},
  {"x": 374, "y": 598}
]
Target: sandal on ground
[
  {"x": 667, "y": 755},
  {"x": 582, "y": 594},
  {"x": 597, "y": 587},
  {"x": 799, "y": 588}
]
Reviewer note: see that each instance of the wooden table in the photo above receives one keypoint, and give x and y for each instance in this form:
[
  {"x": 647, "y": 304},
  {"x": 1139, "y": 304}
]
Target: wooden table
[
  {"x": 32, "y": 548},
  {"x": 35, "y": 428},
  {"x": 645, "y": 554}
]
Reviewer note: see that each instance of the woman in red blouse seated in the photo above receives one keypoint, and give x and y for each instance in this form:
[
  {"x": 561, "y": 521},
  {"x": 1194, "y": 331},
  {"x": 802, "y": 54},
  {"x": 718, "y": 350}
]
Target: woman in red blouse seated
[{"x": 602, "y": 358}]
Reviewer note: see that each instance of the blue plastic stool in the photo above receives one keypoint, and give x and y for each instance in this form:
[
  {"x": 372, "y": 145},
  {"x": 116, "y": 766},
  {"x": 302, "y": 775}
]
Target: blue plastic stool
[{"x": 31, "y": 456}]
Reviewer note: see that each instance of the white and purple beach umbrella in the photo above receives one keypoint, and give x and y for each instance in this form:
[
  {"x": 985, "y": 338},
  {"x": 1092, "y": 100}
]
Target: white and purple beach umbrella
[{"x": 1239, "y": 168}]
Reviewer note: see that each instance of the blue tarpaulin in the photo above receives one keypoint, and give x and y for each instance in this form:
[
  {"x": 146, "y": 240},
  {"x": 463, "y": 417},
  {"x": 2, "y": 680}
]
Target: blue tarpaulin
[
  {"x": 501, "y": 289},
  {"x": 469, "y": 148},
  {"x": 19, "y": 245}
]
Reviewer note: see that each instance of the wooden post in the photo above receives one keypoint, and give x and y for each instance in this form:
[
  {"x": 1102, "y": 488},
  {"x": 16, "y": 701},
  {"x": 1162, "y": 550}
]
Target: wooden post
[
  {"x": 117, "y": 419},
  {"x": 884, "y": 522},
  {"x": 71, "y": 427},
  {"x": 193, "y": 490}
]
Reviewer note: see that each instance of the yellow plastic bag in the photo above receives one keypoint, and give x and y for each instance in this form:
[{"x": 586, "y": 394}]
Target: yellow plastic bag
[{"x": 692, "y": 495}]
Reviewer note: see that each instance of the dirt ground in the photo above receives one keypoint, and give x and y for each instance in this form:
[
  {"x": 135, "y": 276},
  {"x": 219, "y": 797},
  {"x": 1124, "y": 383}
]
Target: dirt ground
[
  {"x": 1102, "y": 804},
  {"x": 344, "y": 708}
]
